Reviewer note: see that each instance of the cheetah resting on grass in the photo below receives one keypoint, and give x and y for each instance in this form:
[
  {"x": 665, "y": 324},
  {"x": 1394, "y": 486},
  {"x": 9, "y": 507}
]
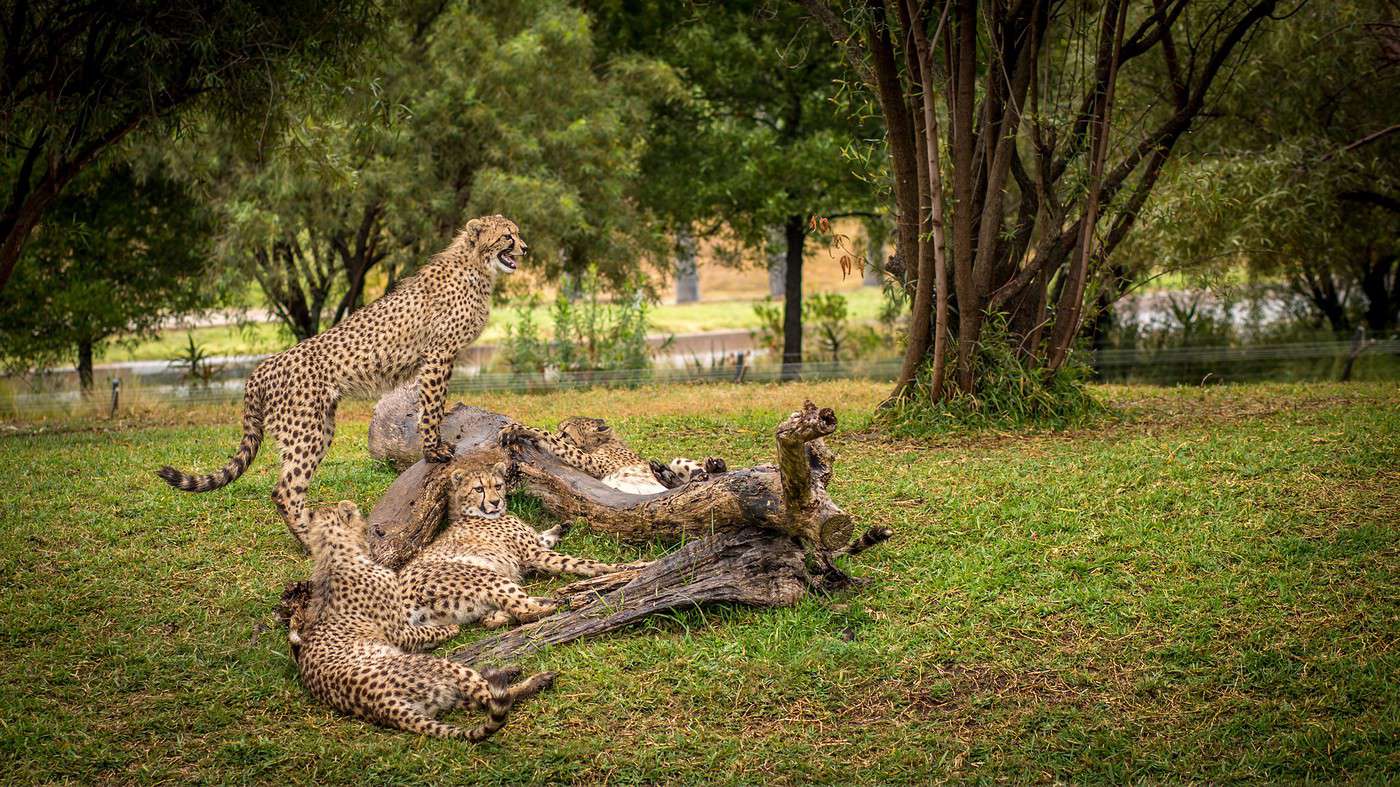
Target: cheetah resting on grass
[
  {"x": 353, "y": 647},
  {"x": 418, "y": 328},
  {"x": 472, "y": 570}
]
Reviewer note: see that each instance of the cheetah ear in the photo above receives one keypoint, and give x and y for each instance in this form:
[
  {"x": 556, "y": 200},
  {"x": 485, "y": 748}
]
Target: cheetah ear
[
  {"x": 458, "y": 476},
  {"x": 501, "y": 469},
  {"x": 347, "y": 509},
  {"x": 471, "y": 232}
]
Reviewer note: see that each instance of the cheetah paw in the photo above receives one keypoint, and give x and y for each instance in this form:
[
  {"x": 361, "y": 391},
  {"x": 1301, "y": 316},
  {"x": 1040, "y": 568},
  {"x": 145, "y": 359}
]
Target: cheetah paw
[{"x": 438, "y": 454}]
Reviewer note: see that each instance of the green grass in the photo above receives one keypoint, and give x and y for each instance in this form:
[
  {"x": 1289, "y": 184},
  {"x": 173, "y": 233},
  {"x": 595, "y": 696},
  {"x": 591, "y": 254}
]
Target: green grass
[
  {"x": 1203, "y": 588},
  {"x": 257, "y": 338}
]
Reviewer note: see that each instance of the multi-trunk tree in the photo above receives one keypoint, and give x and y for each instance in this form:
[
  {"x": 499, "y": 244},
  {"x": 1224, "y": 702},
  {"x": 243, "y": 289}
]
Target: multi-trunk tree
[{"x": 1025, "y": 137}]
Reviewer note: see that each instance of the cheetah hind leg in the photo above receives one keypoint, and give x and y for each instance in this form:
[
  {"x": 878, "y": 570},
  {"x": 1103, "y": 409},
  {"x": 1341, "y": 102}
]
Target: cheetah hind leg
[
  {"x": 303, "y": 438},
  {"x": 665, "y": 475},
  {"x": 508, "y": 676}
]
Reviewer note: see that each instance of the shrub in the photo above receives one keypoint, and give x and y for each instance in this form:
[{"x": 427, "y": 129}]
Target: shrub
[
  {"x": 590, "y": 333},
  {"x": 1011, "y": 394}
]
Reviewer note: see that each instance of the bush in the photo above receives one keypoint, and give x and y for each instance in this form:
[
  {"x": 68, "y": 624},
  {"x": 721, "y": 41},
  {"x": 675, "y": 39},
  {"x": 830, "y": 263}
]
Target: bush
[
  {"x": 1011, "y": 394},
  {"x": 590, "y": 334}
]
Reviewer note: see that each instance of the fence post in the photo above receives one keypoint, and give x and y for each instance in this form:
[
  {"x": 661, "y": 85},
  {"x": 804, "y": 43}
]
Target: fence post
[
  {"x": 739, "y": 368},
  {"x": 116, "y": 395},
  {"x": 1358, "y": 345}
]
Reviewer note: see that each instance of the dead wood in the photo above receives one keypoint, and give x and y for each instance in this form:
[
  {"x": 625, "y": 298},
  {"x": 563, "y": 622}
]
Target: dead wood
[
  {"x": 789, "y": 497},
  {"x": 750, "y": 565},
  {"x": 415, "y": 505},
  {"x": 762, "y": 536}
]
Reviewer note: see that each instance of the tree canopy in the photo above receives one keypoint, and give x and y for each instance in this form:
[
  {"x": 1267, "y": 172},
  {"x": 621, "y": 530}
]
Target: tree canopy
[
  {"x": 79, "y": 76},
  {"x": 755, "y": 141},
  {"x": 465, "y": 109},
  {"x": 1302, "y": 186}
]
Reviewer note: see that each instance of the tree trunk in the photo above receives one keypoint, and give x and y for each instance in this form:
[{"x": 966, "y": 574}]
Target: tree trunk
[
  {"x": 777, "y": 262},
  {"x": 1380, "y": 286},
  {"x": 85, "y": 366},
  {"x": 796, "y": 233},
  {"x": 16, "y": 231},
  {"x": 687, "y": 275}
]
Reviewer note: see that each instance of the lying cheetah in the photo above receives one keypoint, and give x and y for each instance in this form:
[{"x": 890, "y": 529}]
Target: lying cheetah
[
  {"x": 471, "y": 572},
  {"x": 589, "y": 444},
  {"x": 353, "y": 648},
  {"x": 417, "y": 328}
]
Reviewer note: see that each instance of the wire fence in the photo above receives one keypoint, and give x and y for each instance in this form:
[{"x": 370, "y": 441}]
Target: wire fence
[{"x": 1303, "y": 361}]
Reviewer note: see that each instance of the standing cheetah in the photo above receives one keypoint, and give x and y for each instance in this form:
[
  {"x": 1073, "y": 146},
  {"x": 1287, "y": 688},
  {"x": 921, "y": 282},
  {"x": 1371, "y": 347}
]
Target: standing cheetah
[
  {"x": 417, "y": 328},
  {"x": 352, "y": 643},
  {"x": 472, "y": 570},
  {"x": 590, "y": 445}
]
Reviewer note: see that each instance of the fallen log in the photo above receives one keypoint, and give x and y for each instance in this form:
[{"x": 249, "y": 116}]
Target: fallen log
[
  {"x": 761, "y": 536},
  {"x": 789, "y": 497},
  {"x": 750, "y": 566}
]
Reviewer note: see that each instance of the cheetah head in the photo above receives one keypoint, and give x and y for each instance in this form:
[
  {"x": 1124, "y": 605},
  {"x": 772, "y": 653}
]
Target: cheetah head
[
  {"x": 338, "y": 527},
  {"x": 586, "y": 433},
  {"x": 497, "y": 239},
  {"x": 480, "y": 493}
]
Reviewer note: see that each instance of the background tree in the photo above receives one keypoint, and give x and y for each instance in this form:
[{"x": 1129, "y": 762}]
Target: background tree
[
  {"x": 756, "y": 139},
  {"x": 1057, "y": 120},
  {"x": 1304, "y": 186},
  {"x": 117, "y": 255},
  {"x": 464, "y": 109},
  {"x": 81, "y": 75}
]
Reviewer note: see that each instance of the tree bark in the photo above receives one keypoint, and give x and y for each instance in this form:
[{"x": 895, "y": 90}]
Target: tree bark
[
  {"x": 85, "y": 366},
  {"x": 796, "y": 234}
]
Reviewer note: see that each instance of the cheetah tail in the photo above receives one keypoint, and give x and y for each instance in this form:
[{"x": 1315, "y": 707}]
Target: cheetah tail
[
  {"x": 871, "y": 537},
  {"x": 497, "y": 711},
  {"x": 237, "y": 464}
]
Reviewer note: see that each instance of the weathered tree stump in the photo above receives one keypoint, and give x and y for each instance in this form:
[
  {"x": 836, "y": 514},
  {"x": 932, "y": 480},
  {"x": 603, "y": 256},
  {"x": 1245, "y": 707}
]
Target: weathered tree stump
[
  {"x": 750, "y": 566},
  {"x": 789, "y": 497},
  {"x": 762, "y": 536}
]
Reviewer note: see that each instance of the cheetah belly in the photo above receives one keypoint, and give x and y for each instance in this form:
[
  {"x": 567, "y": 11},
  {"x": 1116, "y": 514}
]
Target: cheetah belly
[{"x": 634, "y": 480}]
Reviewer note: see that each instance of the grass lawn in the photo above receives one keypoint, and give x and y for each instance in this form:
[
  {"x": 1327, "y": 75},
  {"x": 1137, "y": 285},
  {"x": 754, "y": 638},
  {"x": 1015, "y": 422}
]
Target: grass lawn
[
  {"x": 1204, "y": 588},
  {"x": 258, "y": 338}
]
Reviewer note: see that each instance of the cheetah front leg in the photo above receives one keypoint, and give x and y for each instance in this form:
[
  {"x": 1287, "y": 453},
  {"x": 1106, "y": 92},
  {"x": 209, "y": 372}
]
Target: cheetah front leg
[
  {"x": 422, "y": 637},
  {"x": 433, "y": 377},
  {"x": 550, "y": 538}
]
